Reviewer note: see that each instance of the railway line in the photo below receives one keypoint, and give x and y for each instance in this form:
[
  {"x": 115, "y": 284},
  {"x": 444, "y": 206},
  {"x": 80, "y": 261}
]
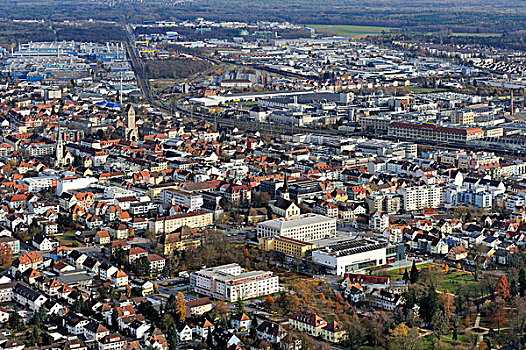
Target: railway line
[{"x": 276, "y": 129}]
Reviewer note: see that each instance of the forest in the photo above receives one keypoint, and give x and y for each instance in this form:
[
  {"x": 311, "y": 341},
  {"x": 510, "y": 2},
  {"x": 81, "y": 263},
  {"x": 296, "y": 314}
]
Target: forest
[
  {"x": 175, "y": 68},
  {"x": 469, "y": 16}
]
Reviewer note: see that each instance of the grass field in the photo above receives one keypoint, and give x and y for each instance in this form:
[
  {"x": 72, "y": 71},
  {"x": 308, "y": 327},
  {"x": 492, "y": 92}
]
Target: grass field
[
  {"x": 452, "y": 281},
  {"x": 349, "y": 30},
  {"x": 422, "y": 90},
  {"x": 480, "y": 35},
  {"x": 68, "y": 239}
]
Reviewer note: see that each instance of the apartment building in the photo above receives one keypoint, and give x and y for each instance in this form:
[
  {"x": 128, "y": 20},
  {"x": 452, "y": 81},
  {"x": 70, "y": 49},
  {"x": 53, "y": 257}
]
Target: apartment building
[
  {"x": 172, "y": 196},
  {"x": 285, "y": 245},
  {"x": 420, "y": 197},
  {"x": 307, "y": 227},
  {"x": 232, "y": 283},
  {"x": 168, "y": 224}
]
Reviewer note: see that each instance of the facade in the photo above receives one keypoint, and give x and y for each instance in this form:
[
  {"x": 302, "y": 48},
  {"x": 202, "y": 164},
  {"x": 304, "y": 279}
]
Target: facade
[
  {"x": 349, "y": 256},
  {"x": 231, "y": 283},
  {"x": 420, "y": 197},
  {"x": 435, "y": 133},
  {"x": 285, "y": 245},
  {"x": 307, "y": 228},
  {"x": 172, "y": 196},
  {"x": 168, "y": 224}
]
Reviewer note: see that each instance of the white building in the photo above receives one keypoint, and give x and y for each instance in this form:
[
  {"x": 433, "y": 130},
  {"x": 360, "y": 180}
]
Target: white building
[
  {"x": 307, "y": 228},
  {"x": 378, "y": 222},
  {"x": 350, "y": 256},
  {"x": 172, "y": 196},
  {"x": 231, "y": 282},
  {"x": 420, "y": 197}
]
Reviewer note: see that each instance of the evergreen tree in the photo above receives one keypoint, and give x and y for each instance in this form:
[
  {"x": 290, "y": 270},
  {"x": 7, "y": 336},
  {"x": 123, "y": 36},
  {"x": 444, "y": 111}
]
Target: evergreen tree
[
  {"x": 522, "y": 282},
  {"x": 406, "y": 276},
  {"x": 513, "y": 288},
  {"x": 413, "y": 276}
]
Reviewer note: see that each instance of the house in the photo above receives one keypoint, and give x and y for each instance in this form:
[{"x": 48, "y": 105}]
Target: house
[
  {"x": 184, "y": 331},
  {"x": 4, "y": 315},
  {"x": 75, "y": 324},
  {"x": 136, "y": 253},
  {"x": 43, "y": 243},
  {"x": 138, "y": 328},
  {"x": 457, "y": 253},
  {"x": 241, "y": 322},
  {"x": 384, "y": 300},
  {"x": 95, "y": 331},
  {"x": 198, "y": 307},
  {"x": 270, "y": 332},
  {"x": 224, "y": 339},
  {"x": 102, "y": 237},
  {"x": 333, "y": 332},
  {"x": 27, "y": 297},
  {"x": 203, "y": 328},
  {"x": 307, "y": 322},
  {"x": 157, "y": 263},
  {"x": 112, "y": 342},
  {"x": 119, "y": 278}
]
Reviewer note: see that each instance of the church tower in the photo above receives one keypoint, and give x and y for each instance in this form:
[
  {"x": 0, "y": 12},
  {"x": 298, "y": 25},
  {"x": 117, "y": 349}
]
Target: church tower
[
  {"x": 59, "y": 151},
  {"x": 285, "y": 192},
  {"x": 131, "y": 130}
]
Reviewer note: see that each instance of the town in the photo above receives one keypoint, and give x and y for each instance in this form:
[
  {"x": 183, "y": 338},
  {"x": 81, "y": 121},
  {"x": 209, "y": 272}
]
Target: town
[{"x": 205, "y": 184}]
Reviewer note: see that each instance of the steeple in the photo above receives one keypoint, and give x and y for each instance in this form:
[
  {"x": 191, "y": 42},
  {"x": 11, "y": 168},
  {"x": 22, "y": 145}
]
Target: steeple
[
  {"x": 59, "y": 152},
  {"x": 285, "y": 192}
]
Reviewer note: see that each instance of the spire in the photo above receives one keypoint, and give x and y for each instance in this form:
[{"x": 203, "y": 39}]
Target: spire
[
  {"x": 59, "y": 152},
  {"x": 285, "y": 192}
]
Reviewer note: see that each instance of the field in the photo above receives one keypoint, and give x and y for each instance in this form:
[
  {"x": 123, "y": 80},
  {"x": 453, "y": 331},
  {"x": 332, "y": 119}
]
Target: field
[
  {"x": 68, "y": 239},
  {"x": 422, "y": 90},
  {"x": 480, "y": 35},
  {"x": 349, "y": 30},
  {"x": 452, "y": 281}
]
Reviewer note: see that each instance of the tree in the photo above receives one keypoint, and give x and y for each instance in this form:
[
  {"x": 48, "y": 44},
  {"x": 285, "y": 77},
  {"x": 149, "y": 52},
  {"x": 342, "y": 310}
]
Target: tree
[
  {"x": 502, "y": 288},
  {"x": 355, "y": 332},
  {"x": 429, "y": 304},
  {"x": 406, "y": 276},
  {"x": 269, "y": 300},
  {"x": 413, "y": 276},
  {"x": 404, "y": 338},
  {"x": 522, "y": 282},
  {"x": 180, "y": 307},
  {"x": 497, "y": 313},
  {"x": 447, "y": 301},
  {"x": 440, "y": 323}
]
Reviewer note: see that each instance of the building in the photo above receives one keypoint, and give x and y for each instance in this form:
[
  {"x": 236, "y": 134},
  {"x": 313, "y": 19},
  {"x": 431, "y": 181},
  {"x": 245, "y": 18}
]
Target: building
[
  {"x": 434, "y": 133},
  {"x": 172, "y": 196},
  {"x": 420, "y": 197},
  {"x": 349, "y": 256},
  {"x": 198, "y": 307},
  {"x": 183, "y": 238},
  {"x": 285, "y": 245},
  {"x": 168, "y": 224},
  {"x": 231, "y": 282},
  {"x": 307, "y": 227}
]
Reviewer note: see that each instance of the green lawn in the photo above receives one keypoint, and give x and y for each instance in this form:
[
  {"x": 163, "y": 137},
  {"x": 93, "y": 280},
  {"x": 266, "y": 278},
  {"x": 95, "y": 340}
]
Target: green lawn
[
  {"x": 480, "y": 35},
  {"x": 349, "y": 30},
  {"x": 68, "y": 239},
  {"x": 422, "y": 90},
  {"x": 451, "y": 281}
]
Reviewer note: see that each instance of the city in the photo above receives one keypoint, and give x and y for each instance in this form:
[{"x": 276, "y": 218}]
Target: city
[{"x": 201, "y": 183}]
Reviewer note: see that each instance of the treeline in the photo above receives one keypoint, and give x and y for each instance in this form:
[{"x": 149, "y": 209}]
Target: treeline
[
  {"x": 427, "y": 15},
  {"x": 175, "y": 68},
  {"x": 12, "y": 33},
  {"x": 96, "y": 32}
]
